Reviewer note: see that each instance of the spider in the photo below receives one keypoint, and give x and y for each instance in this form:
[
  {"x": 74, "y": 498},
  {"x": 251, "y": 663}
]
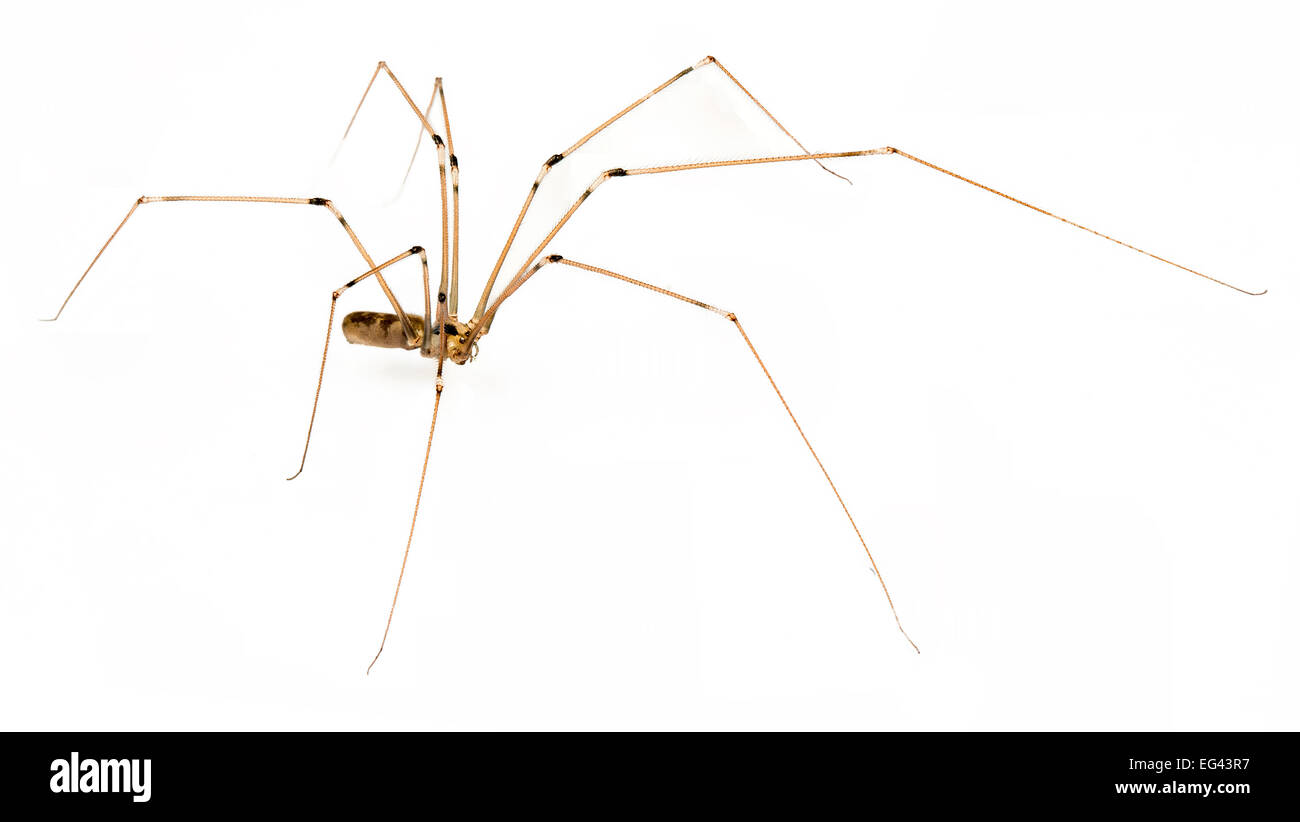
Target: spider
[{"x": 442, "y": 335}]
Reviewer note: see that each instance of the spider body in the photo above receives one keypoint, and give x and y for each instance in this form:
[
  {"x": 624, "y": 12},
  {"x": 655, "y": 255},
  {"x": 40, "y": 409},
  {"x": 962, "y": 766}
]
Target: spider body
[{"x": 379, "y": 329}]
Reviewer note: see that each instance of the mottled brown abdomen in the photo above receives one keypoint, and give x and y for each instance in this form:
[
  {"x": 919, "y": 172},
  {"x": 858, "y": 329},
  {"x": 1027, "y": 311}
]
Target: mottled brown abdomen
[{"x": 381, "y": 330}]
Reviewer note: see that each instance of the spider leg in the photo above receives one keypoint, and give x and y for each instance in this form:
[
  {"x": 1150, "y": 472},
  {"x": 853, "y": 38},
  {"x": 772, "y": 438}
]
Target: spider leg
[
  {"x": 329, "y": 328},
  {"x": 446, "y": 157},
  {"x": 424, "y": 470},
  {"x": 546, "y": 167},
  {"x": 555, "y": 258},
  {"x": 312, "y": 201},
  {"x": 376, "y": 270},
  {"x": 419, "y": 135},
  {"x": 525, "y": 271},
  {"x": 772, "y": 117},
  {"x": 438, "y": 94},
  {"x": 957, "y": 176},
  {"x": 453, "y": 298}
]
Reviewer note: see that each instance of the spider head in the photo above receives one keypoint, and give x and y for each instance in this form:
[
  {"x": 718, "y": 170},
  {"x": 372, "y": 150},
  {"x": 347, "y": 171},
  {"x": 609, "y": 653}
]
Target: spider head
[{"x": 460, "y": 349}]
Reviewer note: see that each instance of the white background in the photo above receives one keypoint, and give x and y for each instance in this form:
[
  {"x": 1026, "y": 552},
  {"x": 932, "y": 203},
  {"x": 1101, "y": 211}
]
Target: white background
[{"x": 1076, "y": 466}]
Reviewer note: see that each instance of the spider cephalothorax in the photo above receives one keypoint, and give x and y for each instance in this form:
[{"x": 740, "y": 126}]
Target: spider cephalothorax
[{"x": 461, "y": 344}]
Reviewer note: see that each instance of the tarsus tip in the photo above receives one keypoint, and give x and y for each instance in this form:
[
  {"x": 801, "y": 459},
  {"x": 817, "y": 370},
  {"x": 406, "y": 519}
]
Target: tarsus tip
[
  {"x": 836, "y": 173},
  {"x": 915, "y": 647}
]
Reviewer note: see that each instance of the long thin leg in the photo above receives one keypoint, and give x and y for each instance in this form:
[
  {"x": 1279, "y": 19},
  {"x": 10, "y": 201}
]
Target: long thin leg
[
  {"x": 439, "y": 94},
  {"x": 901, "y": 153},
  {"x": 329, "y": 328},
  {"x": 829, "y": 481},
  {"x": 546, "y": 167},
  {"x": 320, "y": 380},
  {"x": 312, "y": 201},
  {"x": 955, "y": 175},
  {"x": 453, "y": 296},
  {"x": 424, "y": 470},
  {"x": 419, "y": 135},
  {"x": 525, "y": 270},
  {"x": 445, "y": 158},
  {"x": 555, "y": 258},
  {"x": 772, "y": 117},
  {"x": 437, "y": 401}
]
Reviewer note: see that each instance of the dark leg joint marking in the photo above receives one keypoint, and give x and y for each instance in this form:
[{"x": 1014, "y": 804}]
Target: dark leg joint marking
[
  {"x": 554, "y": 258},
  {"x": 320, "y": 201},
  {"x": 416, "y": 249},
  {"x": 618, "y": 172},
  {"x": 555, "y": 158},
  {"x": 442, "y": 298}
]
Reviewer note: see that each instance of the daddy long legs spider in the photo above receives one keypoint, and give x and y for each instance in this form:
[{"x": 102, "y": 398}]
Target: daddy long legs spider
[{"x": 442, "y": 334}]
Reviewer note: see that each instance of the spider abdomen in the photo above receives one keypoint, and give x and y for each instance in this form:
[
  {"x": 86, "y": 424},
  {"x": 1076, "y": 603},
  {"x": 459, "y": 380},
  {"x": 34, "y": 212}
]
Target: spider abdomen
[{"x": 381, "y": 330}]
